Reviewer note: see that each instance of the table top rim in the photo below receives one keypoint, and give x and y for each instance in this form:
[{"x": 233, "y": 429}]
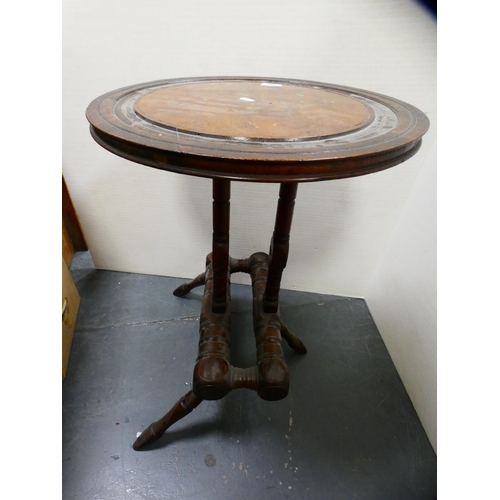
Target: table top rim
[{"x": 282, "y": 160}]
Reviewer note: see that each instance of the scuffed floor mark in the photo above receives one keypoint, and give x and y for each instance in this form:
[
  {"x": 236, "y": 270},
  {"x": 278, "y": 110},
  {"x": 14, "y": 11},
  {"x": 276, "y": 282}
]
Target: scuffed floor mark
[
  {"x": 210, "y": 460},
  {"x": 289, "y": 439},
  {"x": 288, "y": 463},
  {"x": 143, "y": 323}
]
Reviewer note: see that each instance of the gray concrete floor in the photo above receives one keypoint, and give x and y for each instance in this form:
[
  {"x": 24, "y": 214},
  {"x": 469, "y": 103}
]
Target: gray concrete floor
[{"x": 347, "y": 429}]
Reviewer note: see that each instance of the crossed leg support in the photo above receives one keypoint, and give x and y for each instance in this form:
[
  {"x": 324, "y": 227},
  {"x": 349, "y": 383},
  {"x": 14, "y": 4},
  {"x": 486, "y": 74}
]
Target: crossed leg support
[{"x": 213, "y": 375}]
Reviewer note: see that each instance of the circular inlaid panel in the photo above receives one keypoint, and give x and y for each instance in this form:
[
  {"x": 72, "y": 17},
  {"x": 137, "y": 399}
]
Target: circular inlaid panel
[
  {"x": 258, "y": 129},
  {"x": 254, "y": 110}
]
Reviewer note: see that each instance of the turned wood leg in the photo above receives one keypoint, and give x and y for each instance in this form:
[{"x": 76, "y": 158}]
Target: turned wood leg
[
  {"x": 214, "y": 376},
  {"x": 294, "y": 342},
  {"x": 155, "y": 431},
  {"x": 211, "y": 371},
  {"x": 272, "y": 369},
  {"x": 220, "y": 242},
  {"x": 185, "y": 288},
  {"x": 279, "y": 245}
]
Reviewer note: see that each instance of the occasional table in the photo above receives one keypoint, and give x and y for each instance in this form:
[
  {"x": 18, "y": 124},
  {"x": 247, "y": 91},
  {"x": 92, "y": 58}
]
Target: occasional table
[{"x": 258, "y": 130}]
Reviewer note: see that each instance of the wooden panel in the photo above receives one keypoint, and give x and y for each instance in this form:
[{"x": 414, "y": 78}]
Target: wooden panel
[
  {"x": 70, "y": 304},
  {"x": 71, "y": 222},
  {"x": 67, "y": 247}
]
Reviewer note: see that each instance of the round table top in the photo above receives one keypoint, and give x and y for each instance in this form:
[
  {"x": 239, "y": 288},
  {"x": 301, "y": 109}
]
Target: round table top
[{"x": 257, "y": 129}]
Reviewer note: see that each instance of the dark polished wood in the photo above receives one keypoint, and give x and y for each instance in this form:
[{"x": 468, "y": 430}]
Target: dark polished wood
[
  {"x": 153, "y": 432},
  {"x": 250, "y": 129},
  {"x": 220, "y": 242},
  {"x": 214, "y": 376},
  {"x": 280, "y": 244},
  {"x": 257, "y": 129}
]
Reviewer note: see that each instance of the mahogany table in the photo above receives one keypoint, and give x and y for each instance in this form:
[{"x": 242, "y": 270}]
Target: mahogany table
[{"x": 261, "y": 130}]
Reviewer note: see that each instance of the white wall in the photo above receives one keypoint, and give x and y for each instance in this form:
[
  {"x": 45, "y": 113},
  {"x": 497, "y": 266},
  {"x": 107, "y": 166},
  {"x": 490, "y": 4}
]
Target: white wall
[
  {"x": 139, "y": 219},
  {"x": 402, "y": 297}
]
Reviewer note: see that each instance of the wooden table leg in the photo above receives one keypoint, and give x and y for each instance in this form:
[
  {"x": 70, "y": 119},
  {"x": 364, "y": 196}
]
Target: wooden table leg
[
  {"x": 156, "y": 430},
  {"x": 185, "y": 288},
  {"x": 214, "y": 376},
  {"x": 220, "y": 242},
  {"x": 279, "y": 245}
]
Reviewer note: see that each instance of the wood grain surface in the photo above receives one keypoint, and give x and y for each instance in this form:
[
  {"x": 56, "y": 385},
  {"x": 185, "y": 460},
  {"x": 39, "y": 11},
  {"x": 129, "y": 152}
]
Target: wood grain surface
[{"x": 254, "y": 110}]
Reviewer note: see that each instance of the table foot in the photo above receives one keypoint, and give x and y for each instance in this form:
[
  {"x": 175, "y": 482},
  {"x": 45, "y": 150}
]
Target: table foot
[
  {"x": 214, "y": 376},
  {"x": 185, "y": 288},
  {"x": 155, "y": 431},
  {"x": 294, "y": 342}
]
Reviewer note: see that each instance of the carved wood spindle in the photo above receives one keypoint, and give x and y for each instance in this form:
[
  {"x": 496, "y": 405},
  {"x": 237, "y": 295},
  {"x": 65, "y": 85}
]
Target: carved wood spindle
[
  {"x": 220, "y": 242},
  {"x": 279, "y": 244},
  {"x": 211, "y": 375},
  {"x": 274, "y": 379}
]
